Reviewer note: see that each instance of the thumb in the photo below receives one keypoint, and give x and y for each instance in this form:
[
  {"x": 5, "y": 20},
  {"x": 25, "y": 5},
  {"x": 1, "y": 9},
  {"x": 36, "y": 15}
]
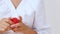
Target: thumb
[{"x": 20, "y": 18}]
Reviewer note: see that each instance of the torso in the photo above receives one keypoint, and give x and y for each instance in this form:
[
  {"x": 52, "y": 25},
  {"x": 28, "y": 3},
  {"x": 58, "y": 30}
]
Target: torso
[{"x": 24, "y": 9}]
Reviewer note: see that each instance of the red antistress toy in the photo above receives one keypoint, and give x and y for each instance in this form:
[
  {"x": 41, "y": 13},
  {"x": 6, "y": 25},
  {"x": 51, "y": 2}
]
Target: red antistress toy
[{"x": 15, "y": 20}]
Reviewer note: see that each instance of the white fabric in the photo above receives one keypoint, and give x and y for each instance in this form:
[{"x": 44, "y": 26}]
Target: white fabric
[{"x": 32, "y": 12}]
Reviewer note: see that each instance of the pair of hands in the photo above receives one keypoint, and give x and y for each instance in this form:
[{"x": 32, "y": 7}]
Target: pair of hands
[{"x": 7, "y": 24}]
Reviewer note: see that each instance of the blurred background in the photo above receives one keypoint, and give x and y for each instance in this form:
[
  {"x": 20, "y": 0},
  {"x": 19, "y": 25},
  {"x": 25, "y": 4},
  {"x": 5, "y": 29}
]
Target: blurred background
[{"x": 52, "y": 8}]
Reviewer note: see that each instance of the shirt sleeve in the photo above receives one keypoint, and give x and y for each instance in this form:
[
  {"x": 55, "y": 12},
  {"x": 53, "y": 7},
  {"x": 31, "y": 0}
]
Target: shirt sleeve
[{"x": 39, "y": 20}]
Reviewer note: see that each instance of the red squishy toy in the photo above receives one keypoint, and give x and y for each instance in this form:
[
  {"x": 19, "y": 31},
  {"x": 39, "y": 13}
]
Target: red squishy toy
[{"x": 14, "y": 20}]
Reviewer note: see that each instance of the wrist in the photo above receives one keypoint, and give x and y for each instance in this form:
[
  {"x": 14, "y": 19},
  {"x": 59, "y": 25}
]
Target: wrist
[{"x": 29, "y": 31}]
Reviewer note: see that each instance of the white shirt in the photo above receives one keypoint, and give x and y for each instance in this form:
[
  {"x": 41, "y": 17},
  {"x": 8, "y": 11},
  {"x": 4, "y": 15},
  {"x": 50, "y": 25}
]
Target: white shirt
[{"x": 32, "y": 12}]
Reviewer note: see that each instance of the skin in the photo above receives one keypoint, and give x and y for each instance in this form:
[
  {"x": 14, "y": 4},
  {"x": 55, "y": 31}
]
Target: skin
[
  {"x": 19, "y": 27},
  {"x": 16, "y": 3},
  {"x": 4, "y": 25}
]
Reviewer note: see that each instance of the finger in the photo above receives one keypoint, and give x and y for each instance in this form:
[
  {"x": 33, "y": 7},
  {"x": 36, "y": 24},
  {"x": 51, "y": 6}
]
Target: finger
[
  {"x": 15, "y": 25},
  {"x": 4, "y": 24},
  {"x": 8, "y": 28},
  {"x": 10, "y": 22},
  {"x": 2, "y": 29},
  {"x": 7, "y": 21},
  {"x": 18, "y": 29},
  {"x": 20, "y": 18}
]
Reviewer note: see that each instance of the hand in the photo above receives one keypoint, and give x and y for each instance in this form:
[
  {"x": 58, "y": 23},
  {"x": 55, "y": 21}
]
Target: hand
[
  {"x": 21, "y": 27},
  {"x": 4, "y": 25},
  {"x": 16, "y": 27}
]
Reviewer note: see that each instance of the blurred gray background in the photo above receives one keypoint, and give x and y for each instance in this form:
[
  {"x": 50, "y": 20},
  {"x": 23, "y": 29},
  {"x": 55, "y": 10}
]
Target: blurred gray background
[{"x": 52, "y": 8}]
